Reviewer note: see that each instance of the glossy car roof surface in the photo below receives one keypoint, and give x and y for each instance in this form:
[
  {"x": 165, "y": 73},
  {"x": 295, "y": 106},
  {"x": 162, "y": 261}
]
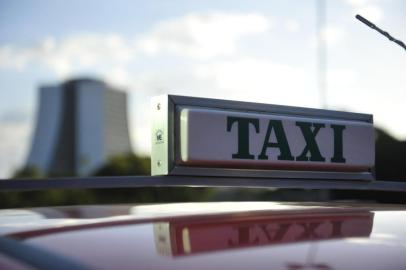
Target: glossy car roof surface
[{"x": 234, "y": 235}]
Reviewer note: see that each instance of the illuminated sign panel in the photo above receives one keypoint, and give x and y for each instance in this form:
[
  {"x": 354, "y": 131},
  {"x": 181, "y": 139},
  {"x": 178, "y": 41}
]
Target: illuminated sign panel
[
  {"x": 222, "y": 138},
  {"x": 211, "y": 137}
]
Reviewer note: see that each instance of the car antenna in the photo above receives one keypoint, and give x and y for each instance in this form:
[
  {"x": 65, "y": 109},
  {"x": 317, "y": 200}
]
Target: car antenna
[{"x": 386, "y": 34}]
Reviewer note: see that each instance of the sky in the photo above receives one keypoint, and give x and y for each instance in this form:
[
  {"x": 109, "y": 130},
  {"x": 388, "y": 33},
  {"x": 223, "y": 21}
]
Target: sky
[{"x": 259, "y": 51}]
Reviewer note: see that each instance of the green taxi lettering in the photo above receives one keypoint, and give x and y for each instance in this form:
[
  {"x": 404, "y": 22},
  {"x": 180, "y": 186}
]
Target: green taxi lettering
[
  {"x": 311, "y": 147},
  {"x": 281, "y": 141},
  {"x": 338, "y": 144},
  {"x": 309, "y": 131},
  {"x": 243, "y": 128}
]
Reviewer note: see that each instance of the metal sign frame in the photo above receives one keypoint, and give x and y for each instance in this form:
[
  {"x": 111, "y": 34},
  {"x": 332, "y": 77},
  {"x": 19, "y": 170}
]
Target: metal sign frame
[
  {"x": 7, "y": 185},
  {"x": 165, "y": 138}
]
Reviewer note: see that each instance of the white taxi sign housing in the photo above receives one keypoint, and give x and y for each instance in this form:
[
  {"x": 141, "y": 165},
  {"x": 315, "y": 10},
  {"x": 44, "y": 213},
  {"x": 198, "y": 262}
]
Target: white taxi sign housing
[{"x": 197, "y": 136}]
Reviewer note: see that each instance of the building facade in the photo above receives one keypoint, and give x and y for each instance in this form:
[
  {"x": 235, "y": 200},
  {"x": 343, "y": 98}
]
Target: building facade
[{"x": 80, "y": 124}]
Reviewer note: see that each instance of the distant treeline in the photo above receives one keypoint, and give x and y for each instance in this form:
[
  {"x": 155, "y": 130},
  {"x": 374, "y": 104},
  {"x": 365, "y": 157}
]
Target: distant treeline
[
  {"x": 390, "y": 165},
  {"x": 390, "y": 157}
]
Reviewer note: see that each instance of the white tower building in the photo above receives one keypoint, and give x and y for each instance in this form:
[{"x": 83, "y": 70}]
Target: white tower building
[{"x": 80, "y": 124}]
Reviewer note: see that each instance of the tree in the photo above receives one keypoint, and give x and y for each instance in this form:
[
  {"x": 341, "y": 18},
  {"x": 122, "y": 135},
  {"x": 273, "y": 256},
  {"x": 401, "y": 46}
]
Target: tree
[
  {"x": 28, "y": 172},
  {"x": 128, "y": 164}
]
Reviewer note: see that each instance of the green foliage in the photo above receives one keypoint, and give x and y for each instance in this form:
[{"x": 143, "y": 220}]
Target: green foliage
[
  {"x": 123, "y": 165},
  {"x": 131, "y": 164},
  {"x": 104, "y": 196},
  {"x": 46, "y": 198},
  {"x": 128, "y": 164},
  {"x": 28, "y": 172},
  {"x": 152, "y": 195},
  {"x": 390, "y": 157}
]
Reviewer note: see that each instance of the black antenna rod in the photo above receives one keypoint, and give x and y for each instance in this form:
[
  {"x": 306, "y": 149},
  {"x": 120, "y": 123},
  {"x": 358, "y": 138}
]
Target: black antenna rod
[{"x": 386, "y": 34}]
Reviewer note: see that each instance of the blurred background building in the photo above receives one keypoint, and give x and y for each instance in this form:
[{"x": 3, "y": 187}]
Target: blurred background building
[{"x": 80, "y": 124}]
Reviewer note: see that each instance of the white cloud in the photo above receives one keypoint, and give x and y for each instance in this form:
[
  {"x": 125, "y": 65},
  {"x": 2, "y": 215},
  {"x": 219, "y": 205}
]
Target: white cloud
[
  {"x": 14, "y": 138},
  {"x": 341, "y": 84},
  {"x": 255, "y": 79},
  {"x": 371, "y": 12},
  {"x": 357, "y": 3},
  {"x": 292, "y": 25},
  {"x": 84, "y": 51},
  {"x": 118, "y": 76},
  {"x": 14, "y": 58},
  {"x": 244, "y": 78},
  {"x": 15, "y": 116},
  {"x": 198, "y": 36},
  {"x": 333, "y": 34},
  {"x": 202, "y": 36},
  {"x": 368, "y": 9}
]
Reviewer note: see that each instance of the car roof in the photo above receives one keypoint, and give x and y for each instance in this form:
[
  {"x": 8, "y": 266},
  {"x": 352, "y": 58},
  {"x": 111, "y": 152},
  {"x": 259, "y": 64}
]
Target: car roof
[{"x": 258, "y": 235}]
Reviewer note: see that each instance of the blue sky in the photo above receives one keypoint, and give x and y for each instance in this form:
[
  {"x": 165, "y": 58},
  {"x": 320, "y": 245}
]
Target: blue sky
[{"x": 261, "y": 51}]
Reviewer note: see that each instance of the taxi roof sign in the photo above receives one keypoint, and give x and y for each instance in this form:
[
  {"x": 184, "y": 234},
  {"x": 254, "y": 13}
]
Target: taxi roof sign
[{"x": 209, "y": 137}]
